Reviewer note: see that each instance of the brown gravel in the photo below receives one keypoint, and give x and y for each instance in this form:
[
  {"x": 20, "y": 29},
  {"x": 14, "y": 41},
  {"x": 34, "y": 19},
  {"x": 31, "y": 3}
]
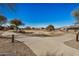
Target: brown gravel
[{"x": 14, "y": 49}]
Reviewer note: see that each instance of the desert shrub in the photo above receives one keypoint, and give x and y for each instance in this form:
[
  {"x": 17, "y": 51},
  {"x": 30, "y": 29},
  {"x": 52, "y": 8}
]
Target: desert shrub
[
  {"x": 3, "y": 20},
  {"x": 50, "y": 28},
  {"x": 42, "y": 28},
  {"x": 33, "y": 28},
  {"x": 21, "y": 31},
  {"x": 28, "y": 28}
]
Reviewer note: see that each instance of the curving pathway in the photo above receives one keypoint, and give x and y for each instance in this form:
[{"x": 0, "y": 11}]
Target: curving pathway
[{"x": 43, "y": 46}]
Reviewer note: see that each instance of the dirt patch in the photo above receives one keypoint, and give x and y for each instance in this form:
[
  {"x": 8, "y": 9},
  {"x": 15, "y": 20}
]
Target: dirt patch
[
  {"x": 14, "y": 49},
  {"x": 72, "y": 43}
]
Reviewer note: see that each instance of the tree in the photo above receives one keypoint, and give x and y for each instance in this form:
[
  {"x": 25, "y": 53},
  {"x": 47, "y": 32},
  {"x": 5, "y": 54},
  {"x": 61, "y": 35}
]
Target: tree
[
  {"x": 42, "y": 28},
  {"x": 50, "y": 27},
  {"x": 28, "y": 28},
  {"x": 33, "y": 28},
  {"x": 10, "y": 6},
  {"x": 16, "y": 23},
  {"x": 3, "y": 20},
  {"x": 75, "y": 13}
]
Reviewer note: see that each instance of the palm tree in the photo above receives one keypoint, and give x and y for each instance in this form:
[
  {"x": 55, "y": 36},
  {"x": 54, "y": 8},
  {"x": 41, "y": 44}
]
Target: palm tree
[
  {"x": 16, "y": 23},
  {"x": 50, "y": 27},
  {"x": 3, "y": 20}
]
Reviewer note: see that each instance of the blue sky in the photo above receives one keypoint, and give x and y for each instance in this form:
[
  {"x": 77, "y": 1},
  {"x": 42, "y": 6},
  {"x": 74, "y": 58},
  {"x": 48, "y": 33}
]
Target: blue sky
[{"x": 42, "y": 14}]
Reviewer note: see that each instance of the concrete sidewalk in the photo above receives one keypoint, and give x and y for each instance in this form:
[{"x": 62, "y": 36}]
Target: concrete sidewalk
[{"x": 50, "y": 45}]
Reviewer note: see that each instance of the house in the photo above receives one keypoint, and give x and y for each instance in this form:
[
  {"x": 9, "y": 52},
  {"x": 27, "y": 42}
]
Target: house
[{"x": 75, "y": 28}]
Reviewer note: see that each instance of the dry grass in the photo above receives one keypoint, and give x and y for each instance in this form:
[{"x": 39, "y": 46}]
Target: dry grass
[
  {"x": 15, "y": 49},
  {"x": 45, "y": 35},
  {"x": 42, "y": 33}
]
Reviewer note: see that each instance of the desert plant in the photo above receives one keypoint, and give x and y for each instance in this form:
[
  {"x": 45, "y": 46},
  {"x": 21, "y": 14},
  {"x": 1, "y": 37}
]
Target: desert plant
[
  {"x": 16, "y": 23},
  {"x": 28, "y": 28},
  {"x": 75, "y": 13},
  {"x": 10, "y": 6},
  {"x": 42, "y": 28},
  {"x": 33, "y": 28},
  {"x": 3, "y": 20},
  {"x": 50, "y": 27}
]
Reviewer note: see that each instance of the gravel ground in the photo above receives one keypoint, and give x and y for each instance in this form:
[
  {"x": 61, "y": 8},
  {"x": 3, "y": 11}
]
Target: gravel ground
[{"x": 14, "y": 49}]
